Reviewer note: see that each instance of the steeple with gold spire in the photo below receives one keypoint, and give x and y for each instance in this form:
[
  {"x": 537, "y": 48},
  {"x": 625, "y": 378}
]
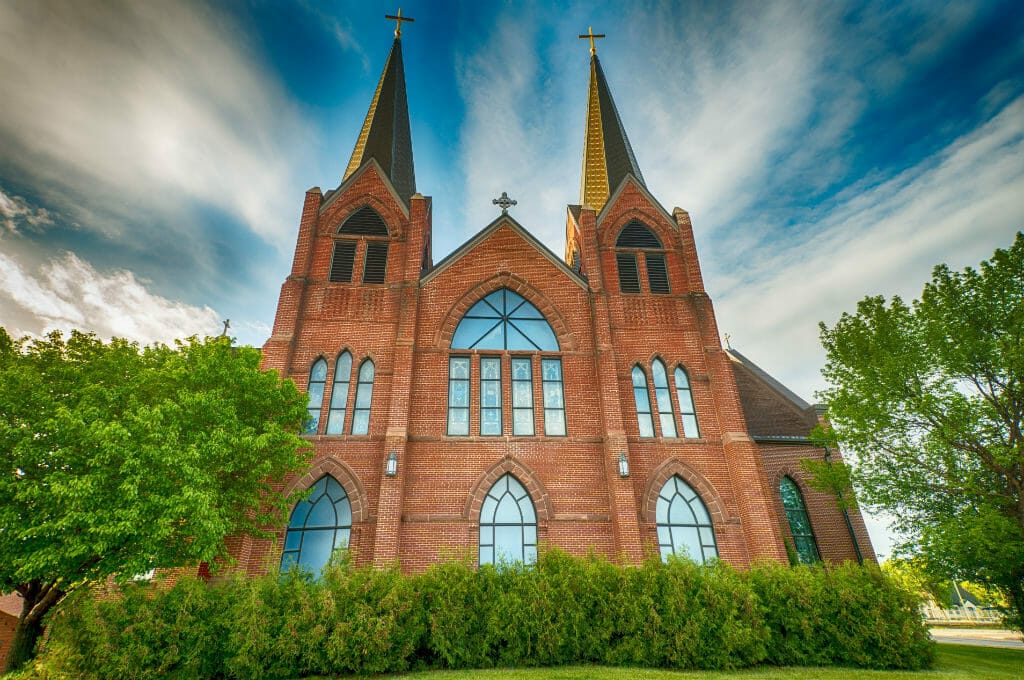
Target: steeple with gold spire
[
  {"x": 385, "y": 135},
  {"x": 607, "y": 155}
]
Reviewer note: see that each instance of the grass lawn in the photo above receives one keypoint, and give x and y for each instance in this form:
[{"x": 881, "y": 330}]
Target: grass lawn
[{"x": 953, "y": 662}]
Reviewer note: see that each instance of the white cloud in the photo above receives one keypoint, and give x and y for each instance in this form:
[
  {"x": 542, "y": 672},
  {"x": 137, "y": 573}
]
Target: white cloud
[
  {"x": 122, "y": 108},
  {"x": 68, "y": 293},
  {"x": 17, "y": 214}
]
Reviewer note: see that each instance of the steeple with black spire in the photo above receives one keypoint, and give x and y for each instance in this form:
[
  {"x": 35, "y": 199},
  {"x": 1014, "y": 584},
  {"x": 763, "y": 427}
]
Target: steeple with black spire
[
  {"x": 385, "y": 135},
  {"x": 607, "y": 156}
]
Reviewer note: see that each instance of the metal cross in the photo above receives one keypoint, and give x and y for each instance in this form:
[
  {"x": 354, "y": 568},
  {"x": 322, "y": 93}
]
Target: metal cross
[
  {"x": 727, "y": 338},
  {"x": 505, "y": 202},
  {"x": 590, "y": 34},
  {"x": 398, "y": 18},
  {"x": 227, "y": 325}
]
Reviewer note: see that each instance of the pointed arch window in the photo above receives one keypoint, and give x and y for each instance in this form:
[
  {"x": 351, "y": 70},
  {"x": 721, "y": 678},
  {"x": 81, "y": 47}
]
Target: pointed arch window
[
  {"x": 505, "y": 322},
  {"x": 643, "y": 403},
  {"x": 684, "y": 525},
  {"x": 317, "y": 527},
  {"x": 508, "y": 524},
  {"x": 368, "y": 226},
  {"x": 637, "y": 239},
  {"x": 339, "y": 394},
  {"x": 684, "y": 395},
  {"x": 663, "y": 399},
  {"x": 799, "y": 522},
  {"x": 317, "y": 383},
  {"x": 364, "y": 396}
]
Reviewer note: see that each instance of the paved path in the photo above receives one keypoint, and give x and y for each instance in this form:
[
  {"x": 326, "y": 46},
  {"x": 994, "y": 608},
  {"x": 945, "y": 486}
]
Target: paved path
[{"x": 983, "y": 637}]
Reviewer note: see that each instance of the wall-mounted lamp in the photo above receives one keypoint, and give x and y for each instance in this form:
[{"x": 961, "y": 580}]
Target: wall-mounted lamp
[
  {"x": 391, "y": 466},
  {"x": 623, "y": 465}
]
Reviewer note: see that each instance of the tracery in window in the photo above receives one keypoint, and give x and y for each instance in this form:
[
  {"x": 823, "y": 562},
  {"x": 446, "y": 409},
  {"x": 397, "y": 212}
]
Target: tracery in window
[
  {"x": 317, "y": 527},
  {"x": 504, "y": 320},
  {"x": 339, "y": 394},
  {"x": 684, "y": 395},
  {"x": 643, "y": 403},
  {"x": 317, "y": 383},
  {"x": 364, "y": 396},
  {"x": 799, "y": 522},
  {"x": 508, "y": 524},
  {"x": 684, "y": 525},
  {"x": 637, "y": 238},
  {"x": 663, "y": 399}
]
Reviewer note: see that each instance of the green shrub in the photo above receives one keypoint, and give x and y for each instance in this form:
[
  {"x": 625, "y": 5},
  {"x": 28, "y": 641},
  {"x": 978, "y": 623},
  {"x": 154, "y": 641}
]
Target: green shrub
[{"x": 563, "y": 610}]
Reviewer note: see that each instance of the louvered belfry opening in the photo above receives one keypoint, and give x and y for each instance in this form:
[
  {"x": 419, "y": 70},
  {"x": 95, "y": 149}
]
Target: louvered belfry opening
[
  {"x": 635, "y": 238},
  {"x": 364, "y": 224}
]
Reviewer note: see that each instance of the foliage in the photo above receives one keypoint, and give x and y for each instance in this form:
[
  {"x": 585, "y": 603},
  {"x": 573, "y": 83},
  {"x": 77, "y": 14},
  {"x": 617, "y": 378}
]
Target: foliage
[
  {"x": 118, "y": 459},
  {"x": 930, "y": 399},
  {"x": 563, "y": 610}
]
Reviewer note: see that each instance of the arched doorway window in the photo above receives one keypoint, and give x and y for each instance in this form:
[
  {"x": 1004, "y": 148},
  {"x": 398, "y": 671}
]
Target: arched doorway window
[
  {"x": 317, "y": 527},
  {"x": 799, "y": 522},
  {"x": 684, "y": 525},
  {"x": 508, "y": 524}
]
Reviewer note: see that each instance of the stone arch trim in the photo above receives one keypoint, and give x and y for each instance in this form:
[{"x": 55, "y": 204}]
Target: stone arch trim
[
  {"x": 539, "y": 496},
  {"x": 394, "y": 220},
  {"x": 671, "y": 468},
  {"x": 609, "y": 231},
  {"x": 566, "y": 339},
  {"x": 344, "y": 476}
]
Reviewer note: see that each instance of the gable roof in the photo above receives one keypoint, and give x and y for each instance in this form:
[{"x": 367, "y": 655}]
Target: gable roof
[
  {"x": 485, "y": 233},
  {"x": 772, "y": 411},
  {"x": 642, "y": 188},
  {"x": 331, "y": 196}
]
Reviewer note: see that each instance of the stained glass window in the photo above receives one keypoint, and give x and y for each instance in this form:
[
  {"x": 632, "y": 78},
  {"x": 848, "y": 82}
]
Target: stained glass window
[
  {"x": 490, "y": 395},
  {"x": 684, "y": 525},
  {"x": 522, "y": 396},
  {"x": 317, "y": 527},
  {"x": 684, "y": 395},
  {"x": 458, "y": 396},
  {"x": 799, "y": 522},
  {"x": 508, "y": 524},
  {"x": 339, "y": 394},
  {"x": 663, "y": 399},
  {"x": 317, "y": 382},
  {"x": 643, "y": 402},
  {"x": 554, "y": 396},
  {"x": 504, "y": 320},
  {"x": 364, "y": 395}
]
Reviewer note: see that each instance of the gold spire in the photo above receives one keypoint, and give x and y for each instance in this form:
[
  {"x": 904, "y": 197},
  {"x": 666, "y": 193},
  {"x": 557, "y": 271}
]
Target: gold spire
[
  {"x": 357, "y": 153},
  {"x": 607, "y": 155},
  {"x": 594, "y": 190}
]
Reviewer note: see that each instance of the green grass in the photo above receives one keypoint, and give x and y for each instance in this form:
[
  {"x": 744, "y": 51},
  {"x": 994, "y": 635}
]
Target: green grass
[{"x": 953, "y": 662}]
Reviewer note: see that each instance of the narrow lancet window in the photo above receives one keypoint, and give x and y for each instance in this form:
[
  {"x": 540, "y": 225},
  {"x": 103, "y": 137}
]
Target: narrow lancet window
[
  {"x": 339, "y": 394},
  {"x": 643, "y": 403},
  {"x": 554, "y": 397},
  {"x": 458, "y": 396},
  {"x": 490, "y": 395},
  {"x": 799, "y": 522},
  {"x": 364, "y": 396},
  {"x": 684, "y": 395},
  {"x": 522, "y": 396},
  {"x": 317, "y": 383},
  {"x": 663, "y": 398}
]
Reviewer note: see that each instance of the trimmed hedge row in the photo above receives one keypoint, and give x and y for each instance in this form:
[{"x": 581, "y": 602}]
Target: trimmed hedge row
[{"x": 563, "y": 610}]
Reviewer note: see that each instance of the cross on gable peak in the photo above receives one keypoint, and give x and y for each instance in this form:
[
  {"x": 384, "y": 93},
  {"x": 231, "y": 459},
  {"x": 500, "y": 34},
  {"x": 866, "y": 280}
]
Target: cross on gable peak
[{"x": 504, "y": 202}]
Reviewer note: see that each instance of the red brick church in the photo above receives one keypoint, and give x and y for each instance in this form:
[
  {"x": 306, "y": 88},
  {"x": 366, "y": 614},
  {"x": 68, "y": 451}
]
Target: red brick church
[{"x": 506, "y": 398}]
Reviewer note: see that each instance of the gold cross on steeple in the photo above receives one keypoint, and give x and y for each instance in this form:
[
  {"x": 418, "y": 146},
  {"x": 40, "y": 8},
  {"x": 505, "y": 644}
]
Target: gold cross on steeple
[
  {"x": 590, "y": 34},
  {"x": 398, "y": 18}
]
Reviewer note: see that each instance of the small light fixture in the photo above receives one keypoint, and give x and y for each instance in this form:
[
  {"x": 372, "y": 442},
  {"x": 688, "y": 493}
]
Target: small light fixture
[
  {"x": 623, "y": 465},
  {"x": 391, "y": 467}
]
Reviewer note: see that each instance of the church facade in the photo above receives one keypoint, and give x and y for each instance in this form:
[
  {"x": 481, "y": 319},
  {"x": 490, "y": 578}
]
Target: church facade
[{"x": 507, "y": 398}]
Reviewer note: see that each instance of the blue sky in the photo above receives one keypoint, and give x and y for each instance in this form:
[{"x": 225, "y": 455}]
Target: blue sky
[{"x": 154, "y": 156}]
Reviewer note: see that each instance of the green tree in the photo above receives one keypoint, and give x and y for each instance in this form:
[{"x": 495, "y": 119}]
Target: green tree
[
  {"x": 929, "y": 398},
  {"x": 116, "y": 460}
]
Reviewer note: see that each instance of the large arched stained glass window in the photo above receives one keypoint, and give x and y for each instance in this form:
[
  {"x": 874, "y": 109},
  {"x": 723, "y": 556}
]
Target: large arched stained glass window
[
  {"x": 508, "y": 524},
  {"x": 504, "y": 320},
  {"x": 684, "y": 525},
  {"x": 317, "y": 382},
  {"x": 799, "y": 522},
  {"x": 317, "y": 527}
]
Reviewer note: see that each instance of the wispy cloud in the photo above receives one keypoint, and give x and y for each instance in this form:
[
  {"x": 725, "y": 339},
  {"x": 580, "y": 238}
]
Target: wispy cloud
[
  {"x": 125, "y": 109},
  {"x": 68, "y": 293},
  {"x": 17, "y": 214}
]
